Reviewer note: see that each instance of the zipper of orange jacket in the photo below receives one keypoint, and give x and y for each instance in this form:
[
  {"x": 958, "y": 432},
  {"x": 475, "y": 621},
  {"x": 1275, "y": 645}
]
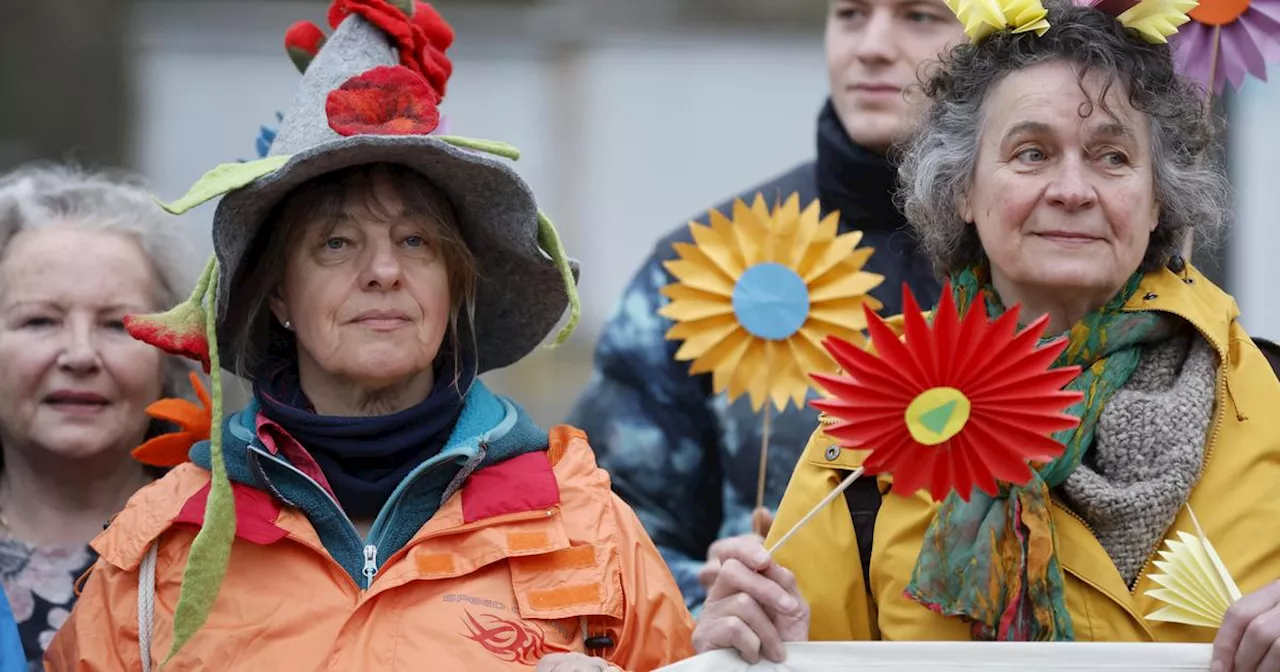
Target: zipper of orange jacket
[{"x": 369, "y": 551}]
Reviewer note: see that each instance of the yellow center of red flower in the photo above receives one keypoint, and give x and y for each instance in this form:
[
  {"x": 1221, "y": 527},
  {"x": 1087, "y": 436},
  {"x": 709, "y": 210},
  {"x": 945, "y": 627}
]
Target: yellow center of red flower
[
  {"x": 937, "y": 414},
  {"x": 1218, "y": 12}
]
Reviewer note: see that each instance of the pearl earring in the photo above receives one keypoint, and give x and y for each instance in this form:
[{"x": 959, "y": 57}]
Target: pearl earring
[{"x": 288, "y": 325}]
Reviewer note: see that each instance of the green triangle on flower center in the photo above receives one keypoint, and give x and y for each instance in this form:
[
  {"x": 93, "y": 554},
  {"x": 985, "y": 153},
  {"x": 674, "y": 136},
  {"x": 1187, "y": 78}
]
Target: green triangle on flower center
[
  {"x": 936, "y": 419},
  {"x": 936, "y": 415}
]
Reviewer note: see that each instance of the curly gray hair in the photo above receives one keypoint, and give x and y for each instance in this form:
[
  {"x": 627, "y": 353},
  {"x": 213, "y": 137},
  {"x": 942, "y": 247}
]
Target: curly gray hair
[
  {"x": 37, "y": 196},
  {"x": 937, "y": 164}
]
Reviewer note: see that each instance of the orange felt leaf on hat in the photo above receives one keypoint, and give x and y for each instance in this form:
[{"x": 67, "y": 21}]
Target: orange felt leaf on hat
[
  {"x": 387, "y": 100},
  {"x": 194, "y": 423}
]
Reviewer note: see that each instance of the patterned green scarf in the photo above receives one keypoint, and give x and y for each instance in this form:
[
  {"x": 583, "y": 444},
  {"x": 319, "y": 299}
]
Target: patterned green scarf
[{"x": 993, "y": 560}]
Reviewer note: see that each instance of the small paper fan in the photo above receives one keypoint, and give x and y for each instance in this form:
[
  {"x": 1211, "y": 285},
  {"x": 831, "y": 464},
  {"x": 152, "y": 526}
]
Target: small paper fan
[
  {"x": 1196, "y": 587},
  {"x": 955, "y": 406},
  {"x": 754, "y": 297}
]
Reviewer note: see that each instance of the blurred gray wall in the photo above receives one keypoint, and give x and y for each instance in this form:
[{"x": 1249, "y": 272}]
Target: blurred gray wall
[{"x": 64, "y": 90}]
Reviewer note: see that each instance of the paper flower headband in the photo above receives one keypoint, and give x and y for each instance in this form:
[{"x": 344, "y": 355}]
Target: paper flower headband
[
  {"x": 1155, "y": 20},
  {"x": 1226, "y": 39}
]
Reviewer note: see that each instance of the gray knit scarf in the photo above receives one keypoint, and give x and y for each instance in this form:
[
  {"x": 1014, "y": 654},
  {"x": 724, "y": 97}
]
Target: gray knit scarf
[{"x": 1147, "y": 453}]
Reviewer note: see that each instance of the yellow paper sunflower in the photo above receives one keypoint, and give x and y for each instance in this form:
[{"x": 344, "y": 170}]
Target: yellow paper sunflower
[{"x": 755, "y": 296}]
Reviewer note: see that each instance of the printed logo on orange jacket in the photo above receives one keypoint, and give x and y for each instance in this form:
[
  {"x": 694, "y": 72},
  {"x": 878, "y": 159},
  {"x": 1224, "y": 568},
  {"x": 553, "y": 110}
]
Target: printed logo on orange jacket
[{"x": 513, "y": 641}]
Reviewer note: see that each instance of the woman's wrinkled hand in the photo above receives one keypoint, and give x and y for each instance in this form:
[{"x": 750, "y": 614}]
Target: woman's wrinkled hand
[
  {"x": 1249, "y": 639},
  {"x": 761, "y": 521},
  {"x": 754, "y": 606},
  {"x": 573, "y": 662}
]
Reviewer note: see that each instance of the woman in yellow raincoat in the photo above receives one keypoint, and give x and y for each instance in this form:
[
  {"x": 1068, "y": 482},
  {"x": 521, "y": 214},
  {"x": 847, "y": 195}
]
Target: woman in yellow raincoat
[{"x": 1060, "y": 171}]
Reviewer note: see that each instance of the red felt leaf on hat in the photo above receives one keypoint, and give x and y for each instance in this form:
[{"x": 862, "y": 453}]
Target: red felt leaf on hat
[
  {"x": 387, "y": 100},
  {"x": 412, "y": 40},
  {"x": 180, "y": 331},
  {"x": 956, "y": 406}
]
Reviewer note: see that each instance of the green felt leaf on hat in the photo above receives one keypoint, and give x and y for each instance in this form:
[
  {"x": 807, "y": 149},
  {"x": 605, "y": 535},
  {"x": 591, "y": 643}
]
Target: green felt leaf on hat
[
  {"x": 211, "y": 549},
  {"x": 224, "y": 178},
  {"x": 493, "y": 147},
  {"x": 301, "y": 59},
  {"x": 549, "y": 240}
]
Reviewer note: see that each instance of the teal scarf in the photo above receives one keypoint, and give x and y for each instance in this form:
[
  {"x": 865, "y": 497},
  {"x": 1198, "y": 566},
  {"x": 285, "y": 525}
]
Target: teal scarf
[{"x": 993, "y": 561}]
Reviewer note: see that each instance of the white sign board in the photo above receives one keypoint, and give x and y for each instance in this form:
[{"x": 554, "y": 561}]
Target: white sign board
[{"x": 963, "y": 657}]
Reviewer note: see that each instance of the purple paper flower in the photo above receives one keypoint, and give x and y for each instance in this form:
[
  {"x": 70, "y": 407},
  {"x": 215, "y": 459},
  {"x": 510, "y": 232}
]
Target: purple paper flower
[{"x": 1247, "y": 37}]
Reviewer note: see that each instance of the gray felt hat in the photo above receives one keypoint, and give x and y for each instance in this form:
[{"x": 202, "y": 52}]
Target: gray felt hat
[{"x": 525, "y": 279}]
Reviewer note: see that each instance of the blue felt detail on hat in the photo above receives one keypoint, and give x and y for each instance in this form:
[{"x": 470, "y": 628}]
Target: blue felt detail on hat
[
  {"x": 771, "y": 301},
  {"x": 266, "y": 136}
]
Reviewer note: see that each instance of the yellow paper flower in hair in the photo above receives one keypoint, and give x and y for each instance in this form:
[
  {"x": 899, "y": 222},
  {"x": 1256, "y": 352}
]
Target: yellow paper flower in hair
[
  {"x": 1156, "y": 20},
  {"x": 983, "y": 17}
]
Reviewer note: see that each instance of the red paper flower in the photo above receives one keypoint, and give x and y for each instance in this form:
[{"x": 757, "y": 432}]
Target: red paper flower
[
  {"x": 303, "y": 41},
  {"x": 180, "y": 331},
  {"x": 961, "y": 404},
  {"x": 417, "y": 50},
  {"x": 387, "y": 100},
  {"x": 194, "y": 423}
]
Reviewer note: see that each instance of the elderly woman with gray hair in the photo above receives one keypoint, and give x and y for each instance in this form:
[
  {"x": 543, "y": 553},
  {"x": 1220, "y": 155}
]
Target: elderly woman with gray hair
[
  {"x": 1059, "y": 171},
  {"x": 78, "y": 251}
]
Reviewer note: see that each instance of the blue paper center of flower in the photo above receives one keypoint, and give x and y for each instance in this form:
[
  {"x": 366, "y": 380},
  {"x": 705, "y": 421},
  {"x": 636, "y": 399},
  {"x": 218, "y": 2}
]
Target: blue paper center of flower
[{"x": 771, "y": 301}]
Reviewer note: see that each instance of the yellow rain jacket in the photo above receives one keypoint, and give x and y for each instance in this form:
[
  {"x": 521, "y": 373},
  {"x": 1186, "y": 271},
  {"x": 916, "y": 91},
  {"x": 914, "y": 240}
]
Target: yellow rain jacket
[{"x": 1235, "y": 501}]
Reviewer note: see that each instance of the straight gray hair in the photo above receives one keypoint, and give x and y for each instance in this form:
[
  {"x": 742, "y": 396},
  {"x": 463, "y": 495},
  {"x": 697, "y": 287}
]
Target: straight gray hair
[{"x": 936, "y": 165}]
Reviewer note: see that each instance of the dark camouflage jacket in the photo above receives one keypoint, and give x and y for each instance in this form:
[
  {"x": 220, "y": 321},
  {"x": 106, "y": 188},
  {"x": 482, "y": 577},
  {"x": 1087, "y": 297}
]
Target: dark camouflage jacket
[{"x": 686, "y": 460}]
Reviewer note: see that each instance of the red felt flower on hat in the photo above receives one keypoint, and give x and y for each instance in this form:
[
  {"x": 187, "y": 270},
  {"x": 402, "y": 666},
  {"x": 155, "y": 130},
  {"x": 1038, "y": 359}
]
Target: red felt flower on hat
[
  {"x": 956, "y": 406},
  {"x": 387, "y": 100},
  {"x": 439, "y": 36},
  {"x": 438, "y": 31},
  {"x": 194, "y": 423},
  {"x": 418, "y": 46}
]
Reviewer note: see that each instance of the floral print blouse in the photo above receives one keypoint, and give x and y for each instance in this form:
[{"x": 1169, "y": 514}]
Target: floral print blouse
[{"x": 40, "y": 585}]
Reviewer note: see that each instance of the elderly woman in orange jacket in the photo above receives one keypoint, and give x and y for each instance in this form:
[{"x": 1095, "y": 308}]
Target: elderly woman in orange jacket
[{"x": 375, "y": 506}]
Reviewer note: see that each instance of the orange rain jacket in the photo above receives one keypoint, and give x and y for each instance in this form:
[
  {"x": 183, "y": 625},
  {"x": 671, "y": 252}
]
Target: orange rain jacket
[{"x": 531, "y": 556}]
